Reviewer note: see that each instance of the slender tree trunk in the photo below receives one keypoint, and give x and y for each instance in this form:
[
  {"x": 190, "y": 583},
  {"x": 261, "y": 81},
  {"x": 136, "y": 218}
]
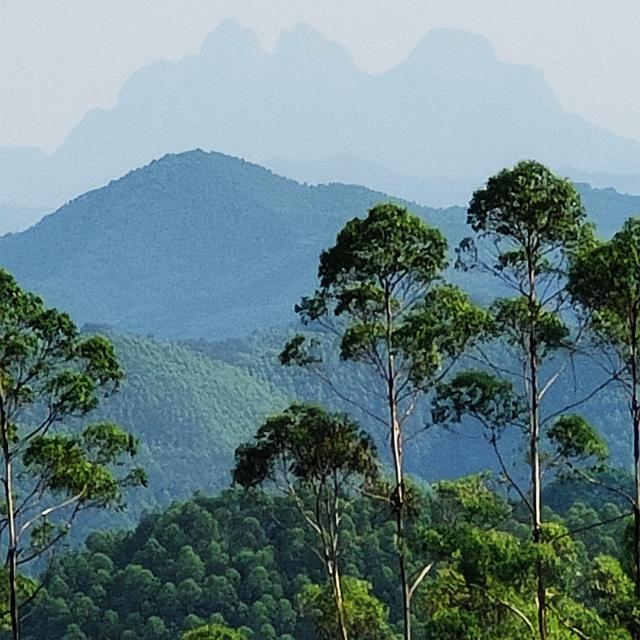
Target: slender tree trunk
[
  {"x": 399, "y": 504},
  {"x": 397, "y": 454},
  {"x": 337, "y": 594},
  {"x": 330, "y": 537},
  {"x": 537, "y": 501},
  {"x": 635, "y": 414},
  {"x": 12, "y": 553},
  {"x": 534, "y": 446}
]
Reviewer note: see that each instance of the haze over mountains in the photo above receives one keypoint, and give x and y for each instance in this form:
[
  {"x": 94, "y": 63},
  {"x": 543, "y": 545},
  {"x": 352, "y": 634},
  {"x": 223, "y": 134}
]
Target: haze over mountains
[
  {"x": 208, "y": 245},
  {"x": 205, "y": 245},
  {"x": 430, "y": 129}
]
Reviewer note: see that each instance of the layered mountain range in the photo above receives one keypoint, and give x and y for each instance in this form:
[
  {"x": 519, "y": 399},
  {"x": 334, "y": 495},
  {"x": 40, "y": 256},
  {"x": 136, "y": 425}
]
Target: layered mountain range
[
  {"x": 428, "y": 129},
  {"x": 205, "y": 245}
]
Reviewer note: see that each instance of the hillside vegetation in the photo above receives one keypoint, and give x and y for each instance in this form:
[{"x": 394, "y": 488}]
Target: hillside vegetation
[
  {"x": 189, "y": 411},
  {"x": 209, "y": 246},
  {"x": 246, "y": 559}
]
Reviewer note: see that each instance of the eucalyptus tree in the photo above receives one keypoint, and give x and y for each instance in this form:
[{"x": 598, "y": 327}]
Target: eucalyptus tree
[
  {"x": 50, "y": 377},
  {"x": 569, "y": 445},
  {"x": 319, "y": 459},
  {"x": 381, "y": 293},
  {"x": 528, "y": 222},
  {"x": 605, "y": 280},
  {"x": 368, "y": 617},
  {"x": 486, "y": 576}
]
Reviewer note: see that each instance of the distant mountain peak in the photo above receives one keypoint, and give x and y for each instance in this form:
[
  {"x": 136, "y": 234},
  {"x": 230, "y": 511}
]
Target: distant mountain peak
[
  {"x": 229, "y": 38},
  {"x": 303, "y": 44},
  {"x": 452, "y": 47},
  {"x": 451, "y": 110}
]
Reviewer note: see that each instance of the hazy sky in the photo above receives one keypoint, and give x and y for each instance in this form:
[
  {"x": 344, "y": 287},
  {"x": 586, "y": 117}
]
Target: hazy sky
[{"x": 60, "y": 58}]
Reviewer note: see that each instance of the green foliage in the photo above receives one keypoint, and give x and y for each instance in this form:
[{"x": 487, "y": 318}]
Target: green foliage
[
  {"x": 612, "y": 592},
  {"x": 328, "y": 457},
  {"x": 485, "y": 582},
  {"x": 189, "y": 412},
  {"x": 527, "y": 203},
  {"x": 213, "y": 632},
  {"x": 479, "y": 393},
  {"x": 242, "y": 559},
  {"x": 212, "y": 562},
  {"x": 366, "y": 616},
  {"x": 381, "y": 248},
  {"x": 380, "y": 293},
  {"x": 238, "y": 559},
  {"x": 513, "y": 317},
  {"x": 79, "y": 464},
  {"x": 312, "y": 445},
  {"x": 381, "y": 278},
  {"x": 574, "y": 438},
  {"x": 50, "y": 376},
  {"x": 438, "y": 330},
  {"x": 604, "y": 278},
  {"x": 27, "y": 588}
]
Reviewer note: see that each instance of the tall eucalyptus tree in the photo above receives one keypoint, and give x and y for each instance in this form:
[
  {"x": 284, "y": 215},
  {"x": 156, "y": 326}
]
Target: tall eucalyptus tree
[
  {"x": 605, "y": 280},
  {"x": 318, "y": 459},
  {"x": 50, "y": 375},
  {"x": 528, "y": 223},
  {"x": 381, "y": 293}
]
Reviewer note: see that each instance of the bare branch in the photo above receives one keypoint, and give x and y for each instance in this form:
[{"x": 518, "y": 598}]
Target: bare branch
[{"x": 420, "y": 577}]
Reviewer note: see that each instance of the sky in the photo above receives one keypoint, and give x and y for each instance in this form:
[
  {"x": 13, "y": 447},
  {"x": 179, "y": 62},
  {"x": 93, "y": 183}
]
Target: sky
[{"x": 61, "y": 58}]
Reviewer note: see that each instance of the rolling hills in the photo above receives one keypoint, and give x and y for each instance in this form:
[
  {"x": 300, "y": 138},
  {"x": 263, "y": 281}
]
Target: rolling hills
[
  {"x": 189, "y": 412},
  {"x": 205, "y": 245},
  {"x": 432, "y": 127},
  {"x": 202, "y": 245},
  {"x": 192, "y": 403}
]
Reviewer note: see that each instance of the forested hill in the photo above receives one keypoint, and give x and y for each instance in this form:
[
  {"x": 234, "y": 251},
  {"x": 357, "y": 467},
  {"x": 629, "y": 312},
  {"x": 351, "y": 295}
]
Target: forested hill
[
  {"x": 191, "y": 404},
  {"x": 203, "y": 244},
  {"x": 189, "y": 411}
]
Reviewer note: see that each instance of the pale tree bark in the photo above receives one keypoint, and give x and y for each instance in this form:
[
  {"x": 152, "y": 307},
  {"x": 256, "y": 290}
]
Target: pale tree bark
[
  {"x": 12, "y": 550},
  {"x": 534, "y": 445},
  {"x": 12, "y": 545},
  {"x": 336, "y": 586},
  {"x": 635, "y": 416},
  {"x": 396, "y": 437}
]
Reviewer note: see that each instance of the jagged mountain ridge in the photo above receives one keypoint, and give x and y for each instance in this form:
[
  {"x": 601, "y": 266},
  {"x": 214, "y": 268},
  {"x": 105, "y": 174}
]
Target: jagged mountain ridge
[{"x": 452, "y": 112}]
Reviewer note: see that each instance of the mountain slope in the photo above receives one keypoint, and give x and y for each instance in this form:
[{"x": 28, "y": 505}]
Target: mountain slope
[
  {"x": 451, "y": 109},
  {"x": 192, "y": 245},
  {"x": 205, "y": 245},
  {"x": 189, "y": 411}
]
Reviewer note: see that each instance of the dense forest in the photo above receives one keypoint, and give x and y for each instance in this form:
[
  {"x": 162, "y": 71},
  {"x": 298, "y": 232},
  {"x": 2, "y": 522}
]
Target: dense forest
[
  {"x": 424, "y": 460},
  {"x": 247, "y": 561}
]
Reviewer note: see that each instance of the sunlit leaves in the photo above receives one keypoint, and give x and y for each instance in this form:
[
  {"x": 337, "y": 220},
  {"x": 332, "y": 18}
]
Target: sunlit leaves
[
  {"x": 213, "y": 632},
  {"x": 50, "y": 373},
  {"x": 574, "y": 438},
  {"x": 480, "y": 394},
  {"x": 528, "y": 203},
  {"x": 381, "y": 249},
  {"x": 605, "y": 279},
  {"x": 311, "y": 444},
  {"x": 366, "y": 616}
]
